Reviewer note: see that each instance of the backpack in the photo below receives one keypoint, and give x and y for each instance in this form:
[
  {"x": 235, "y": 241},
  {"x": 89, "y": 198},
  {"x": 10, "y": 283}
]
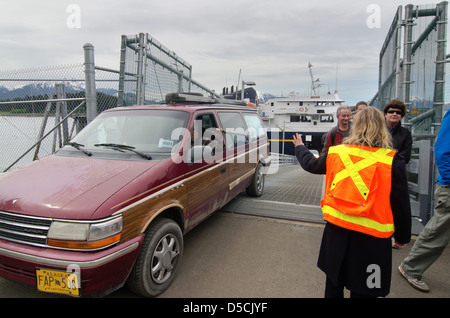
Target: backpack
[{"x": 333, "y": 136}]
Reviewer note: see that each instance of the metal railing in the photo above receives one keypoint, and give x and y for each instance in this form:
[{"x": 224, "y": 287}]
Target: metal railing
[
  {"x": 62, "y": 123},
  {"x": 280, "y": 160}
]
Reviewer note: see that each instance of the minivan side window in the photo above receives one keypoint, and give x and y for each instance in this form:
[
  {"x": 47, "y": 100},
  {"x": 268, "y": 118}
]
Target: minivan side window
[
  {"x": 254, "y": 126},
  {"x": 235, "y": 134},
  {"x": 202, "y": 123}
]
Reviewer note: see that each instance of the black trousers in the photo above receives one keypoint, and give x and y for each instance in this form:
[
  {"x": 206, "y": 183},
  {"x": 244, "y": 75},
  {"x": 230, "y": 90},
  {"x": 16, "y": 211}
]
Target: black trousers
[{"x": 333, "y": 291}]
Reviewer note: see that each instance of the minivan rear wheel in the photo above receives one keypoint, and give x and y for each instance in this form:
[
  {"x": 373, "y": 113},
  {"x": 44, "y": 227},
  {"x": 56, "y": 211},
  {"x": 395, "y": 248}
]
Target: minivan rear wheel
[
  {"x": 158, "y": 259},
  {"x": 256, "y": 187}
]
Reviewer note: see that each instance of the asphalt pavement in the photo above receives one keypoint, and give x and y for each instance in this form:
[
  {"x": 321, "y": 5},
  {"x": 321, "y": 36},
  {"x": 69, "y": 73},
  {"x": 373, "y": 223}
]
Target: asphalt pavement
[{"x": 233, "y": 255}]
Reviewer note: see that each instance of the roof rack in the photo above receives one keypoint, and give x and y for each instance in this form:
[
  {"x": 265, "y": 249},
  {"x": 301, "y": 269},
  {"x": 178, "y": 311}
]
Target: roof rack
[{"x": 173, "y": 98}]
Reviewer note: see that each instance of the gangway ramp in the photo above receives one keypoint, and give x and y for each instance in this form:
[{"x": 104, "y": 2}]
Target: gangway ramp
[{"x": 292, "y": 193}]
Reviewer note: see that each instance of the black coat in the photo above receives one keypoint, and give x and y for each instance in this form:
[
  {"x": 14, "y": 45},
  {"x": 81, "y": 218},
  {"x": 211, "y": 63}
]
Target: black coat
[
  {"x": 402, "y": 141},
  {"x": 345, "y": 255}
]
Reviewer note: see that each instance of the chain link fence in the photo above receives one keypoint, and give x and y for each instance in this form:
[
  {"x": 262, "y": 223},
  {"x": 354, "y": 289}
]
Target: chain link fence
[
  {"x": 413, "y": 65},
  {"x": 447, "y": 86},
  {"x": 34, "y": 103},
  {"x": 42, "y": 108}
]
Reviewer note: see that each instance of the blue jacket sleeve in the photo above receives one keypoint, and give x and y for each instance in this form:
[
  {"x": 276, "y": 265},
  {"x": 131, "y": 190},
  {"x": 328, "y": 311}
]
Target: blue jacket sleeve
[{"x": 442, "y": 151}]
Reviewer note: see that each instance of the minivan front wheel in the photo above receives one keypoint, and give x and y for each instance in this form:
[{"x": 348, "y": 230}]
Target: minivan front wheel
[
  {"x": 256, "y": 187},
  {"x": 158, "y": 259}
]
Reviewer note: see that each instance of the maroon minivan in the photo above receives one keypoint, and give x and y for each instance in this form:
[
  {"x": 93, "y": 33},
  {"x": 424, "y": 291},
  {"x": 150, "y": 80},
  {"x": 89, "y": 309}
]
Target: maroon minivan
[{"x": 111, "y": 207}]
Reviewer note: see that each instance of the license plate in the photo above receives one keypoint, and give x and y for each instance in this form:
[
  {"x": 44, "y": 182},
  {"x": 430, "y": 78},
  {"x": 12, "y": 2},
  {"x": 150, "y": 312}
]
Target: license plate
[{"x": 60, "y": 282}]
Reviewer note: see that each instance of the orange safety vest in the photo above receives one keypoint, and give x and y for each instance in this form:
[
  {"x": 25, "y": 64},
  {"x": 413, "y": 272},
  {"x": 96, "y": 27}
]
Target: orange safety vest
[{"x": 357, "y": 189}]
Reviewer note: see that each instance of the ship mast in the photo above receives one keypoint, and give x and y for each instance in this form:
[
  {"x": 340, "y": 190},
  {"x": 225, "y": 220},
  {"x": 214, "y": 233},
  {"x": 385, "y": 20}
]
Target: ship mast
[{"x": 314, "y": 83}]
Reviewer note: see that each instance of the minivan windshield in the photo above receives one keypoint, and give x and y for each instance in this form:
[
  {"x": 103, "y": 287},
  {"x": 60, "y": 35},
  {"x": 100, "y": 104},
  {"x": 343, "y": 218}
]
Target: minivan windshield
[{"x": 142, "y": 130}]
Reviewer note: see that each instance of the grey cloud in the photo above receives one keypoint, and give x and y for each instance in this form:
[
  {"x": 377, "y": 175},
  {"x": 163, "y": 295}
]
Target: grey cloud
[{"x": 271, "y": 41}]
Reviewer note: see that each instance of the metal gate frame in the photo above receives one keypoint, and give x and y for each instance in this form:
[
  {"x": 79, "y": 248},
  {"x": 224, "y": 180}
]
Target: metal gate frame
[
  {"x": 395, "y": 70},
  {"x": 396, "y": 80},
  {"x": 146, "y": 50}
]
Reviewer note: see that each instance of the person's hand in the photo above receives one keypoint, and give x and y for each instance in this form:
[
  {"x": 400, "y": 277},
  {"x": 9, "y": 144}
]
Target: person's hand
[
  {"x": 297, "y": 140},
  {"x": 397, "y": 245}
]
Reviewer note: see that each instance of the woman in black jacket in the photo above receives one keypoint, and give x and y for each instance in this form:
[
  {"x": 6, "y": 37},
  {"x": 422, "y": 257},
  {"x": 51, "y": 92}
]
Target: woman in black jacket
[
  {"x": 394, "y": 111},
  {"x": 360, "y": 262}
]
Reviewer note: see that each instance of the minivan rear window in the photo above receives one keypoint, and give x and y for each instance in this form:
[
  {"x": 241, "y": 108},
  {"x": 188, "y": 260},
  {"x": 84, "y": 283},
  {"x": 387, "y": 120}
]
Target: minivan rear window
[
  {"x": 254, "y": 126},
  {"x": 234, "y": 127}
]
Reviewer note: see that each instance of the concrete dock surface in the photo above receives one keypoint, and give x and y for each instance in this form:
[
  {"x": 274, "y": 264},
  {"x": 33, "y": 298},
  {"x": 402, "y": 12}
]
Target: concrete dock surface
[
  {"x": 234, "y": 255},
  {"x": 264, "y": 248}
]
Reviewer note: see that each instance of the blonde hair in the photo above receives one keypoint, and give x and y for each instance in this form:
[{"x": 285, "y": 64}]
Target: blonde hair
[{"x": 369, "y": 129}]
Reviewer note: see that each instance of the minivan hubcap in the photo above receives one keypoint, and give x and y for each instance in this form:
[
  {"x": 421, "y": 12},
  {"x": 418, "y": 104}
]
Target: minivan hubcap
[
  {"x": 260, "y": 181},
  {"x": 164, "y": 258}
]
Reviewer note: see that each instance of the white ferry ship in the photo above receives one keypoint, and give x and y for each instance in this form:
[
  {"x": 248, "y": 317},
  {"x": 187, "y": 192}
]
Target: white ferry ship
[{"x": 312, "y": 116}]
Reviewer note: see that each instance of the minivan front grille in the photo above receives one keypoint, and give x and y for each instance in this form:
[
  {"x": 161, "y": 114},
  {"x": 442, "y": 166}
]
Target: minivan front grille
[{"x": 24, "y": 229}]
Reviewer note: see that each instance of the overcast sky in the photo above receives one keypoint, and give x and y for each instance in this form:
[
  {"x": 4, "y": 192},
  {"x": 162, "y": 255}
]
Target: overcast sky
[{"x": 270, "y": 41}]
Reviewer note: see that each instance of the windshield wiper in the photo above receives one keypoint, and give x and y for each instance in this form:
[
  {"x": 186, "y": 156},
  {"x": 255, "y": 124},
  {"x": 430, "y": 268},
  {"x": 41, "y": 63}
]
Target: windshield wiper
[
  {"x": 121, "y": 147},
  {"x": 78, "y": 147}
]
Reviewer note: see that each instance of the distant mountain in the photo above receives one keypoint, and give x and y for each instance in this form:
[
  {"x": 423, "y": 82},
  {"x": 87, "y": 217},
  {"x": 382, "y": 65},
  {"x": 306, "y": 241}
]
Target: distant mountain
[
  {"x": 46, "y": 88},
  {"x": 264, "y": 97}
]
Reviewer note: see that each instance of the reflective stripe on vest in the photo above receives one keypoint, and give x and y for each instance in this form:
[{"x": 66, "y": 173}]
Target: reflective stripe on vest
[
  {"x": 352, "y": 173},
  {"x": 357, "y": 223}
]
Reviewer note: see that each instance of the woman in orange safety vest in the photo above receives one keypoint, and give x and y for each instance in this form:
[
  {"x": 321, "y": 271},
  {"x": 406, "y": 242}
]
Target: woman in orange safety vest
[{"x": 366, "y": 202}]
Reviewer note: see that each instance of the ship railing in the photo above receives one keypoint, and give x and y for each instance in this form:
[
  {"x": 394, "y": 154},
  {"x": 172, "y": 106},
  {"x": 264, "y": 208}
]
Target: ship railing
[{"x": 282, "y": 159}]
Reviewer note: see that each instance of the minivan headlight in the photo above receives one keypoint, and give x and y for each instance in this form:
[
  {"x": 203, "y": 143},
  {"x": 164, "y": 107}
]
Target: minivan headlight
[
  {"x": 61, "y": 230},
  {"x": 86, "y": 235}
]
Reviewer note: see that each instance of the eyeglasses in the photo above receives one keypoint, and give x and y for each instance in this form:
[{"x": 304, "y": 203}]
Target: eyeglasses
[{"x": 398, "y": 112}]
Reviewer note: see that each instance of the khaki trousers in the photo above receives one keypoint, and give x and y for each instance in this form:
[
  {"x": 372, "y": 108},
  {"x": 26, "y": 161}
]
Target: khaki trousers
[{"x": 434, "y": 237}]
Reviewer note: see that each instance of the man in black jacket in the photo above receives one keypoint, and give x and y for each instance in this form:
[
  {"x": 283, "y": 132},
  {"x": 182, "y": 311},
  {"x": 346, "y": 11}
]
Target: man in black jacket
[{"x": 394, "y": 111}]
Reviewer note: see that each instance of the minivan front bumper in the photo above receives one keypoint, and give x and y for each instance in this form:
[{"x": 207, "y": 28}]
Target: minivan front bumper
[{"x": 101, "y": 272}]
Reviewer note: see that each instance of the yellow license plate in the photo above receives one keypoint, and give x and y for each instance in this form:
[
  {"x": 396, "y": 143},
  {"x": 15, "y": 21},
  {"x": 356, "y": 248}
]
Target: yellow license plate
[{"x": 60, "y": 282}]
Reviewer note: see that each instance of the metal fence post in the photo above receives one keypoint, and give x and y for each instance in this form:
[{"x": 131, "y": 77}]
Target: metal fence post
[
  {"x": 398, "y": 84},
  {"x": 180, "y": 82},
  {"x": 439, "y": 86},
  {"x": 407, "y": 51},
  {"x": 89, "y": 71},
  {"x": 142, "y": 56},
  {"x": 123, "y": 51}
]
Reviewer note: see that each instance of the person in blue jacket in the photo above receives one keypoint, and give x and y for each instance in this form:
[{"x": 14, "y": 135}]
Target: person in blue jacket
[{"x": 435, "y": 236}]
